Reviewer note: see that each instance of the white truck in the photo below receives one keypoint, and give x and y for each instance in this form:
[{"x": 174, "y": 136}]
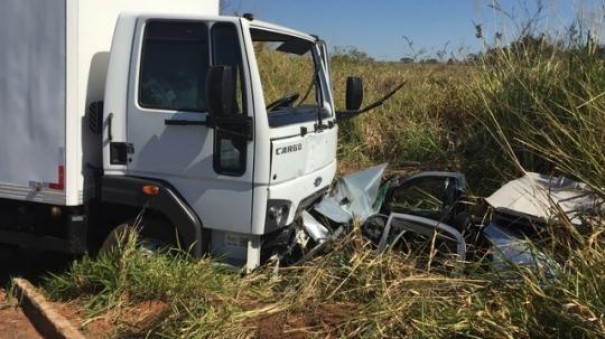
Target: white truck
[{"x": 170, "y": 116}]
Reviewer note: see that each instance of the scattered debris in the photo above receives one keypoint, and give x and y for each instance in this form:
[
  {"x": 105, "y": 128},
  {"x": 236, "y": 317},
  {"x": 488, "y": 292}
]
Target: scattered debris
[
  {"x": 432, "y": 205},
  {"x": 524, "y": 206},
  {"x": 508, "y": 249},
  {"x": 543, "y": 198}
]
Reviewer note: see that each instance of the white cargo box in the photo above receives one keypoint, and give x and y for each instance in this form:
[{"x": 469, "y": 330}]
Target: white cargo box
[{"x": 53, "y": 60}]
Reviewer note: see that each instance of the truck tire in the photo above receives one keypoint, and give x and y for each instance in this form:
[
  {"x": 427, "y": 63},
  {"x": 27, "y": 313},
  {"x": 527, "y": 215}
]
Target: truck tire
[
  {"x": 153, "y": 236},
  {"x": 167, "y": 205}
]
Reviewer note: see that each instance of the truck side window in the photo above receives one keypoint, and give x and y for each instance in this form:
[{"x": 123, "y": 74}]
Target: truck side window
[
  {"x": 174, "y": 62},
  {"x": 230, "y": 148}
]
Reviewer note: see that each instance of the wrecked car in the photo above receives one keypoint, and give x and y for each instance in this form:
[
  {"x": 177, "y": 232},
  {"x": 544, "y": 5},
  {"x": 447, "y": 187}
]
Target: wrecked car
[{"x": 431, "y": 209}]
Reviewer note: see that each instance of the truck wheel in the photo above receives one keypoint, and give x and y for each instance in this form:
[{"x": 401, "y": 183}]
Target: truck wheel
[{"x": 153, "y": 236}]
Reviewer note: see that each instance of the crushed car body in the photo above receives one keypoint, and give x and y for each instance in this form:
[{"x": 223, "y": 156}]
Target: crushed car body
[
  {"x": 543, "y": 198},
  {"x": 432, "y": 206}
]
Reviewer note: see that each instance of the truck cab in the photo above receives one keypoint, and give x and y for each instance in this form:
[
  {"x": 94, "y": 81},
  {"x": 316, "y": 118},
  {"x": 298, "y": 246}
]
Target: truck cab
[
  {"x": 209, "y": 110},
  {"x": 205, "y": 132}
]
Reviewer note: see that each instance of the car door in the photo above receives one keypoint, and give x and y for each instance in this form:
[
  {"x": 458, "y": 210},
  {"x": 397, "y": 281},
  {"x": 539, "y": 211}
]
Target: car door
[{"x": 168, "y": 135}]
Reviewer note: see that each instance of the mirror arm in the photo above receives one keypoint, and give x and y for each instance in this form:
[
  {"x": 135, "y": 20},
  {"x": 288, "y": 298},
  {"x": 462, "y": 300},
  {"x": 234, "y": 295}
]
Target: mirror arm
[{"x": 346, "y": 115}]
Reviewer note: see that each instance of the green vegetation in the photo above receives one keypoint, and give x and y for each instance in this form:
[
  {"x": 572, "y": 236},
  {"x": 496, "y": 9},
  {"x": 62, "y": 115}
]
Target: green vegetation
[
  {"x": 427, "y": 121},
  {"x": 536, "y": 105},
  {"x": 351, "y": 291}
]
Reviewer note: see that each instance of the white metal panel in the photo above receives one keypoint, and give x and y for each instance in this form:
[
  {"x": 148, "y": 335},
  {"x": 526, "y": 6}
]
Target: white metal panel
[
  {"x": 32, "y": 98},
  {"x": 544, "y": 197},
  {"x": 95, "y": 26},
  {"x": 297, "y": 156},
  {"x": 183, "y": 155}
]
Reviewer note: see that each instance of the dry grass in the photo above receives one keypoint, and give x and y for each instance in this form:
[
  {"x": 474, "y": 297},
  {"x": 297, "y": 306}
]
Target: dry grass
[
  {"x": 424, "y": 122},
  {"x": 352, "y": 291}
]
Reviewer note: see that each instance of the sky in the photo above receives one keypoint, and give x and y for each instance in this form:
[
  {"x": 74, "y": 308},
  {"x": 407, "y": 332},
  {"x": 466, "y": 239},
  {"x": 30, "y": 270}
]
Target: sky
[{"x": 384, "y": 28}]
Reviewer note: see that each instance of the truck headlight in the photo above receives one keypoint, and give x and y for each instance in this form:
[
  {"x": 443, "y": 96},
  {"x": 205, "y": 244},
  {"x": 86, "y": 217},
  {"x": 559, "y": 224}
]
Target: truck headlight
[{"x": 277, "y": 214}]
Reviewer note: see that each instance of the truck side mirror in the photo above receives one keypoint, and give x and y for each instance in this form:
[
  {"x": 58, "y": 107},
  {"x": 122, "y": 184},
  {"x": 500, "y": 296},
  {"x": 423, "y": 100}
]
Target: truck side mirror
[
  {"x": 220, "y": 90},
  {"x": 354, "y": 95}
]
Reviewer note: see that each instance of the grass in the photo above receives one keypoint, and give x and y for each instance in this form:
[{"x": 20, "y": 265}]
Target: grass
[
  {"x": 528, "y": 108},
  {"x": 420, "y": 123},
  {"x": 352, "y": 291}
]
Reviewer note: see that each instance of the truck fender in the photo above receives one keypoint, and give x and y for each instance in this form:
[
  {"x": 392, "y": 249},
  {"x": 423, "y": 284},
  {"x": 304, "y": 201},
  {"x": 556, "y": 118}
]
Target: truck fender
[{"x": 126, "y": 190}]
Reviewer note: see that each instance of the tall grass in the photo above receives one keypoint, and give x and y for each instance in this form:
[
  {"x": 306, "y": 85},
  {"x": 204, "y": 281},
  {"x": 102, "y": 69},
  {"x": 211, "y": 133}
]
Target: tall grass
[
  {"x": 421, "y": 123},
  {"x": 545, "y": 108},
  {"x": 537, "y": 106}
]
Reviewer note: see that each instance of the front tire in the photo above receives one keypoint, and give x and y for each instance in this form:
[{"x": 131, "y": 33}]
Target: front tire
[{"x": 152, "y": 236}]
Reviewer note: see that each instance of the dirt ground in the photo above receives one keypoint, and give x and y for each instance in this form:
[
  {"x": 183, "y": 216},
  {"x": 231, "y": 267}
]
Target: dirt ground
[
  {"x": 31, "y": 265},
  {"x": 34, "y": 266},
  {"x": 133, "y": 322},
  {"x": 13, "y": 323},
  {"x": 321, "y": 321}
]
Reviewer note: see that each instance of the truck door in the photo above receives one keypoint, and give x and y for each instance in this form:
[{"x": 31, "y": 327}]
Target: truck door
[{"x": 168, "y": 137}]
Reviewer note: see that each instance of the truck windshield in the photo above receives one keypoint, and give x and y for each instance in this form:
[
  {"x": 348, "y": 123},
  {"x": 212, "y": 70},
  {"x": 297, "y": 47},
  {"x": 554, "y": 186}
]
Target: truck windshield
[{"x": 291, "y": 78}]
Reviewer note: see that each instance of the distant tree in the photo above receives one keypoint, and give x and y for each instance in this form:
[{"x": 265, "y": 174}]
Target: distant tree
[
  {"x": 406, "y": 60},
  {"x": 430, "y": 61},
  {"x": 350, "y": 53}
]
